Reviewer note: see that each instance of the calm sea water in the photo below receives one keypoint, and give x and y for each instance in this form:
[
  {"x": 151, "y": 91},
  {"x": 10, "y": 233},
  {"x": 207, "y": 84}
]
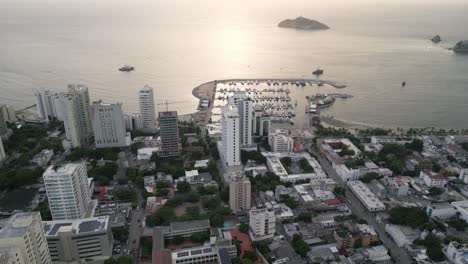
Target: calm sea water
[{"x": 176, "y": 45}]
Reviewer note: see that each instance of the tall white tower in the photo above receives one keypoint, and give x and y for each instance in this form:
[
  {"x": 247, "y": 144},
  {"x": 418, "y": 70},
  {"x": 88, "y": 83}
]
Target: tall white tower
[
  {"x": 83, "y": 108},
  {"x": 246, "y": 120},
  {"x": 108, "y": 125},
  {"x": 67, "y": 190},
  {"x": 46, "y": 104},
  {"x": 230, "y": 136},
  {"x": 147, "y": 109}
]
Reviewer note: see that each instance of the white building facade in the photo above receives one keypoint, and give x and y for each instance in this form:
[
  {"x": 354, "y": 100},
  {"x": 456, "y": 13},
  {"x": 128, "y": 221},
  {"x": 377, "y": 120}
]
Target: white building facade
[
  {"x": 261, "y": 224},
  {"x": 147, "y": 108},
  {"x": 108, "y": 125},
  {"x": 230, "y": 122},
  {"x": 67, "y": 191},
  {"x": 280, "y": 141},
  {"x": 245, "y": 119}
]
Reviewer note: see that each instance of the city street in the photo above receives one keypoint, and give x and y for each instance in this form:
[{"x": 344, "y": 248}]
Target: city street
[{"x": 358, "y": 209}]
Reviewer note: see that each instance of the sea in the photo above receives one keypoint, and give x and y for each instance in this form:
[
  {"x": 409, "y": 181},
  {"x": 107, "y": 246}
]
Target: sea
[{"x": 175, "y": 45}]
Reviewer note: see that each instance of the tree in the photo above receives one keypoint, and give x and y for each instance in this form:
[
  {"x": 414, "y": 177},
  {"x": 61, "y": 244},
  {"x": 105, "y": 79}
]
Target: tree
[
  {"x": 435, "y": 191},
  {"x": 458, "y": 224},
  {"x": 120, "y": 233},
  {"x": 291, "y": 202},
  {"x": 183, "y": 186},
  {"x": 408, "y": 216},
  {"x": 286, "y": 161},
  {"x": 305, "y": 217},
  {"x": 433, "y": 247},
  {"x": 178, "y": 240},
  {"x": 162, "y": 192},
  {"x": 305, "y": 166},
  {"x": 199, "y": 237},
  {"x": 161, "y": 217},
  {"x": 299, "y": 245},
  {"x": 416, "y": 145},
  {"x": 339, "y": 191},
  {"x": 368, "y": 177},
  {"x": 119, "y": 260},
  {"x": 192, "y": 197},
  {"x": 244, "y": 228},
  {"x": 249, "y": 255}
]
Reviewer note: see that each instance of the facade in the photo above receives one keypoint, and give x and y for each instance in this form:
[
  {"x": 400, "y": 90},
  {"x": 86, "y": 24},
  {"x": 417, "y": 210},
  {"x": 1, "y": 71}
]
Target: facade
[
  {"x": 245, "y": 119},
  {"x": 22, "y": 240},
  {"x": 260, "y": 123},
  {"x": 70, "y": 120},
  {"x": 47, "y": 105},
  {"x": 76, "y": 114},
  {"x": 2, "y": 151},
  {"x": 108, "y": 125},
  {"x": 147, "y": 109},
  {"x": 70, "y": 241},
  {"x": 239, "y": 192},
  {"x": 441, "y": 211},
  {"x": 383, "y": 140},
  {"x": 8, "y": 113},
  {"x": 366, "y": 196},
  {"x": 67, "y": 191},
  {"x": 280, "y": 141},
  {"x": 3, "y": 126},
  {"x": 133, "y": 122},
  {"x": 82, "y": 104},
  {"x": 169, "y": 133},
  {"x": 230, "y": 122},
  {"x": 431, "y": 179},
  {"x": 261, "y": 224}
]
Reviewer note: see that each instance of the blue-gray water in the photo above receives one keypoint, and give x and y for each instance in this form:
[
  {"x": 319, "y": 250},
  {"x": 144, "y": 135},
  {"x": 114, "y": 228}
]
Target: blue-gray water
[{"x": 176, "y": 45}]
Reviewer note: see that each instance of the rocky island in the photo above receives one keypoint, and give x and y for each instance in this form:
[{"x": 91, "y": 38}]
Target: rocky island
[{"x": 303, "y": 24}]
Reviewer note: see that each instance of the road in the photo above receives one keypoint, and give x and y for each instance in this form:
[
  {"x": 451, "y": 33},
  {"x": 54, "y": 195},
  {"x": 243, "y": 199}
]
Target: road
[
  {"x": 135, "y": 227},
  {"x": 358, "y": 209}
]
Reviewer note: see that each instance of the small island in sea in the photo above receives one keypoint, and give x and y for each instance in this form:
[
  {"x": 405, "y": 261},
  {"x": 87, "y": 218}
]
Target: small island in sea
[{"x": 303, "y": 24}]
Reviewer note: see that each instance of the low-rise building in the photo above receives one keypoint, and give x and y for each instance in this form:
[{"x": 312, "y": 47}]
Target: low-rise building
[
  {"x": 402, "y": 235},
  {"x": 70, "y": 241},
  {"x": 431, "y": 179},
  {"x": 456, "y": 253},
  {"x": 42, "y": 158},
  {"x": 462, "y": 209},
  {"x": 366, "y": 196},
  {"x": 383, "y": 140},
  {"x": 441, "y": 211},
  {"x": 261, "y": 224}
]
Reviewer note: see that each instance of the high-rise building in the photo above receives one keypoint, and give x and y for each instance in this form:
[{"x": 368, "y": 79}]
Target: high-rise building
[
  {"x": 245, "y": 108},
  {"x": 68, "y": 191},
  {"x": 70, "y": 120},
  {"x": 230, "y": 135},
  {"x": 8, "y": 113},
  {"x": 280, "y": 141},
  {"x": 239, "y": 192},
  {"x": 169, "y": 133},
  {"x": 47, "y": 105},
  {"x": 76, "y": 114},
  {"x": 261, "y": 224},
  {"x": 2, "y": 151},
  {"x": 245, "y": 119},
  {"x": 147, "y": 109},
  {"x": 83, "y": 108},
  {"x": 132, "y": 122},
  {"x": 108, "y": 125},
  {"x": 22, "y": 240},
  {"x": 88, "y": 239},
  {"x": 3, "y": 126},
  {"x": 260, "y": 123}
]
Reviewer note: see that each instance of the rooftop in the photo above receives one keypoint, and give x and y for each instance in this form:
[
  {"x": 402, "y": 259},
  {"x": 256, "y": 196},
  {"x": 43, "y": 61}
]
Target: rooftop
[
  {"x": 189, "y": 225},
  {"x": 78, "y": 226},
  {"x": 67, "y": 169},
  {"x": 18, "y": 224}
]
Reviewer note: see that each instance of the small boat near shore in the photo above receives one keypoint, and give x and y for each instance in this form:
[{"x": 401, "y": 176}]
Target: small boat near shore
[
  {"x": 126, "y": 68},
  {"x": 318, "y": 72}
]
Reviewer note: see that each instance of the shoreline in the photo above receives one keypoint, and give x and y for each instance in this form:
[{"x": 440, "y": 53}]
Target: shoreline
[{"x": 207, "y": 91}]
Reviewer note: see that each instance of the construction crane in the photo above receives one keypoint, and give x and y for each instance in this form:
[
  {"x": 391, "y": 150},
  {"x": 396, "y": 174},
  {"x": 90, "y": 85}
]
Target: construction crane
[{"x": 173, "y": 102}]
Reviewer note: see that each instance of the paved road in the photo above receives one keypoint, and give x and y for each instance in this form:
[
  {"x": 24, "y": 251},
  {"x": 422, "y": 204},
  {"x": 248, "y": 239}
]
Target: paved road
[{"x": 358, "y": 209}]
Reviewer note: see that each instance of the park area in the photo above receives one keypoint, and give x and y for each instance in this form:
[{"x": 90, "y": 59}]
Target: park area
[{"x": 18, "y": 199}]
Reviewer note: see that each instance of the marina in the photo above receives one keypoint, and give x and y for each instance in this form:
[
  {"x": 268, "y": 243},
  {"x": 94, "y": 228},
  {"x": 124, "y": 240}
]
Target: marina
[{"x": 286, "y": 101}]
